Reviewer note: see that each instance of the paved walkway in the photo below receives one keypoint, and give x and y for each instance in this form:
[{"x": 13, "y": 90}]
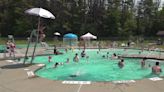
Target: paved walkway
[{"x": 21, "y": 53}]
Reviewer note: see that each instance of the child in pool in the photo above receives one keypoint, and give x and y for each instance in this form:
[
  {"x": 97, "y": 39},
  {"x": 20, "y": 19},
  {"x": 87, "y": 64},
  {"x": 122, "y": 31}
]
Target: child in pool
[
  {"x": 76, "y": 58},
  {"x": 67, "y": 60},
  {"x": 121, "y": 63}
]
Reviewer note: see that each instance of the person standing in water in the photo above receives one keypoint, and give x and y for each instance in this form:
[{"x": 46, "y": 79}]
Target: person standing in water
[
  {"x": 49, "y": 59},
  {"x": 121, "y": 63},
  {"x": 56, "y": 52},
  {"x": 83, "y": 54},
  {"x": 56, "y": 64},
  {"x": 76, "y": 58},
  {"x": 114, "y": 56},
  {"x": 67, "y": 60},
  {"x": 107, "y": 55},
  {"x": 143, "y": 62},
  {"x": 156, "y": 69}
]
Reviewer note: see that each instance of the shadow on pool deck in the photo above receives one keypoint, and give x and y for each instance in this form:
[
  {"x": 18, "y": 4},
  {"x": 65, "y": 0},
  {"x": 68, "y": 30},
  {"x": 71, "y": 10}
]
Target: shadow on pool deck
[{"x": 14, "y": 66}]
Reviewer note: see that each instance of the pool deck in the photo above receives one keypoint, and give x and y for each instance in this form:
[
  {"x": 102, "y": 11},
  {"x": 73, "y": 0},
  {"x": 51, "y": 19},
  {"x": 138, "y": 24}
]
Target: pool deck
[{"x": 15, "y": 79}]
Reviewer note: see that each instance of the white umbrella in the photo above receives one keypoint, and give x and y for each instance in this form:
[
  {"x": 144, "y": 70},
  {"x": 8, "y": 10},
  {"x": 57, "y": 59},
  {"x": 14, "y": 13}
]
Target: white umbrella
[
  {"x": 88, "y": 36},
  {"x": 57, "y": 34},
  {"x": 40, "y": 12}
]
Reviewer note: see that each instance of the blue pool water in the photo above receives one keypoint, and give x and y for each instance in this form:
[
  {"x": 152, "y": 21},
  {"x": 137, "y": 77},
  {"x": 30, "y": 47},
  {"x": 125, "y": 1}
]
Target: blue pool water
[{"x": 96, "y": 68}]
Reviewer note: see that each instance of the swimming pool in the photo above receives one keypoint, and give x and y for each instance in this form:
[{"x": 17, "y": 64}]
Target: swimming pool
[{"x": 96, "y": 68}]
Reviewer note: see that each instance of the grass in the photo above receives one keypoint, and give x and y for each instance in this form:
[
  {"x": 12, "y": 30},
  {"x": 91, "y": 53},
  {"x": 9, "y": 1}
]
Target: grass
[
  {"x": 104, "y": 43},
  {"x": 2, "y": 40}
]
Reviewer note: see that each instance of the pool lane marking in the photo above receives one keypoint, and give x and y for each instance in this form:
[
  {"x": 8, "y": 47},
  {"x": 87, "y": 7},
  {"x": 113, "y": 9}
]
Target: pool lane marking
[
  {"x": 124, "y": 81},
  {"x": 155, "y": 79},
  {"x": 78, "y": 90},
  {"x": 76, "y": 82}
]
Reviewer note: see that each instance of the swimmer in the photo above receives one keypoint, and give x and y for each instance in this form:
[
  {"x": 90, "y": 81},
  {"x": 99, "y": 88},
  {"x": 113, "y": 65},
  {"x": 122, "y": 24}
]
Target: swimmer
[
  {"x": 56, "y": 64},
  {"x": 56, "y": 52},
  {"x": 83, "y": 53},
  {"x": 97, "y": 52},
  {"x": 49, "y": 59},
  {"x": 67, "y": 60},
  {"x": 114, "y": 56},
  {"x": 107, "y": 55},
  {"x": 76, "y": 74},
  {"x": 103, "y": 56},
  {"x": 73, "y": 76},
  {"x": 143, "y": 63},
  {"x": 156, "y": 69},
  {"x": 121, "y": 63},
  {"x": 76, "y": 58}
]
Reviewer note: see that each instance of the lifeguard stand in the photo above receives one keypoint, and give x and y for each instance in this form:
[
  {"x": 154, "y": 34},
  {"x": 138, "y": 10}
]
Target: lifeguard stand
[{"x": 33, "y": 36}]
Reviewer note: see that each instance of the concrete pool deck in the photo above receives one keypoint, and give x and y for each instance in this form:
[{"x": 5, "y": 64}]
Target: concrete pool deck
[{"x": 15, "y": 79}]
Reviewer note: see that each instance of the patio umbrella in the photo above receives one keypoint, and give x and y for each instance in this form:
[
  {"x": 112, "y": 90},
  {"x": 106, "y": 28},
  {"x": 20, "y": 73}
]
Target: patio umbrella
[
  {"x": 88, "y": 36},
  {"x": 57, "y": 34},
  {"x": 70, "y": 38},
  {"x": 41, "y": 13}
]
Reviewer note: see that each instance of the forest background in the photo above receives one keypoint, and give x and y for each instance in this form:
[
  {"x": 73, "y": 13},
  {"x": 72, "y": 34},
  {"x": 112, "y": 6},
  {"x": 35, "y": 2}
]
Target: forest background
[{"x": 103, "y": 18}]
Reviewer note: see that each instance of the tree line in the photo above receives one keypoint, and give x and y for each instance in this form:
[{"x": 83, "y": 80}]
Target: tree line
[{"x": 104, "y": 18}]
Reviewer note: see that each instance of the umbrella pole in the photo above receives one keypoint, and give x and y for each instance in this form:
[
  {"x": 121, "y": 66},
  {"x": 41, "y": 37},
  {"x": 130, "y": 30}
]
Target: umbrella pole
[
  {"x": 25, "y": 57},
  {"x": 37, "y": 38}
]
